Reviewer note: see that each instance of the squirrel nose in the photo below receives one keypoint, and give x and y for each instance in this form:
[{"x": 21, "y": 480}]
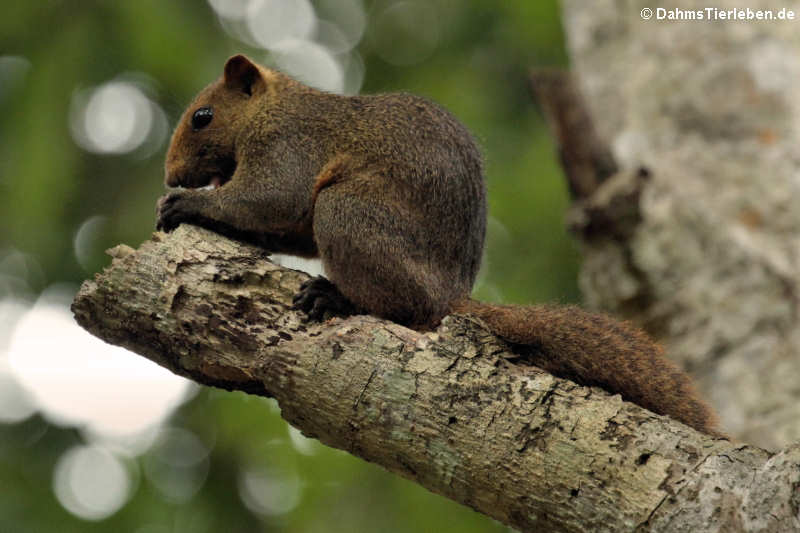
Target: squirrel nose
[
  {"x": 171, "y": 174},
  {"x": 173, "y": 165}
]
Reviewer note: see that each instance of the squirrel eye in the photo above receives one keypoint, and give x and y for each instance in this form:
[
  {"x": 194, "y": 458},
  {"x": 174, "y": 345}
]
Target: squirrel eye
[{"x": 201, "y": 118}]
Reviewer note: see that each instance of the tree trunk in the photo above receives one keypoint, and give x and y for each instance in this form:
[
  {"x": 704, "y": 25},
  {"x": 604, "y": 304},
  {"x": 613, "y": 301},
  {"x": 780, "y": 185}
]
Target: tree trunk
[
  {"x": 702, "y": 118},
  {"x": 449, "y": 409}
]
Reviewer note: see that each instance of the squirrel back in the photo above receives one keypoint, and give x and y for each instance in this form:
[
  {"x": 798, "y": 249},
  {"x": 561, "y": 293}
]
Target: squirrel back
[{"x": 388, "y": 191}]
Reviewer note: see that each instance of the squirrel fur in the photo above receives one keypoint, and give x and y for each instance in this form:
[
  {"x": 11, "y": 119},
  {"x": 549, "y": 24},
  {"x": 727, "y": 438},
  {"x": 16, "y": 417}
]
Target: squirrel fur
[{"x": 388, "y": 191}]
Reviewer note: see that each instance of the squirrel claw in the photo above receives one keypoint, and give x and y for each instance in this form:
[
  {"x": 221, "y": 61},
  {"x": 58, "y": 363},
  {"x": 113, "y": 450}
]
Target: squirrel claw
[
  {"x": 318, "y": 297},
  {"x": 168, "y": 216}
]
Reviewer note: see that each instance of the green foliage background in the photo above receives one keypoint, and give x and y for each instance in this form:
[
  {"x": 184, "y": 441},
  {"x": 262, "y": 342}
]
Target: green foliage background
[{"x": 49, "y": 186}]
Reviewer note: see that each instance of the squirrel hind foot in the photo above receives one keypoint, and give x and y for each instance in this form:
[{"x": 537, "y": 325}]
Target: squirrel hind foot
[{"x": 318, "y": 298}]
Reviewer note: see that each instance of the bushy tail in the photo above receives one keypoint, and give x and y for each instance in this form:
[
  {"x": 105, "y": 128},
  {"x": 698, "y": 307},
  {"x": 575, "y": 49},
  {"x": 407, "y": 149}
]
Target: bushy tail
[{"x": 594, "y": 349}]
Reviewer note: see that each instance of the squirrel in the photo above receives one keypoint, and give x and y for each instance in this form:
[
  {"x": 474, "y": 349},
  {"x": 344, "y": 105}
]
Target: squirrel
[{"x": 388, "y": 191}]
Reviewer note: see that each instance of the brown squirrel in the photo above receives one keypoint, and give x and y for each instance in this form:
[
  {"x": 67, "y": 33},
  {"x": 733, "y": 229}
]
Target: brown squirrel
[{"x": 388, "y": 191}]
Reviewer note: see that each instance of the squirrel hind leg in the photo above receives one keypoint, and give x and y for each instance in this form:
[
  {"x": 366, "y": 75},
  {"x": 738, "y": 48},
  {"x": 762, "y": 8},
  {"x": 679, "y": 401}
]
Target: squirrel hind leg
[
  {"x": 388, "y": 289},
  {"x": 373, "y": 253}
]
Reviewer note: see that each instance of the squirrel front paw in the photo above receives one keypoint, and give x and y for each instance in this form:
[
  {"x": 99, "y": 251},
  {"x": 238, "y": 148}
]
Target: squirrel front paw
[
  {"x": 318, "y": 296},
  {"x": 172, "y": 210}
]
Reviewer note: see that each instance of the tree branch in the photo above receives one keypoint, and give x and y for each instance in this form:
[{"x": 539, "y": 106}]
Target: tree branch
[
  {"x": 449, "y": 409},
  {"x": 586, "y": 159}
]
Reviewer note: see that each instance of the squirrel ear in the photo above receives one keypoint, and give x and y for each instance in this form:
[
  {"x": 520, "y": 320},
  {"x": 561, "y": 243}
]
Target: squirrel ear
[{"x": 241, "y": 74}]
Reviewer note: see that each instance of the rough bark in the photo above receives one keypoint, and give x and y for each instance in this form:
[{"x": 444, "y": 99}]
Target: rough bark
[
  {"x": 708, "y": 256},
  {"x": 449, "y": 409}
]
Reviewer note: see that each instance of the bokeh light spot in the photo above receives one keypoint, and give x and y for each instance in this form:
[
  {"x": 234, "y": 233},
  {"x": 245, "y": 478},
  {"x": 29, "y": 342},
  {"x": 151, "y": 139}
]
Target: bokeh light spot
[
  {"x": 353, "y": 73},
  {"x": 270, "y": 491},
  {"x": 15, "y": 403},
  {"x": 77, "y": 379},
  {"x": 345, "y": 18},
  {"x": 177, "y": 464},
  {"x": 301, "y": 443},
  {"x": 19, "y": 274},
  {"x": 91, "y": 483},
  {"x": 86, "y": 240},
  {"x": 406, "y": 33},
  {"x": 114, "y": 118},
  {"x": 233, "y": 9},
  {"x": 273, "y": 21},
  {"x": 310, "y": 63},
  {"x": 332, "y": 37}
]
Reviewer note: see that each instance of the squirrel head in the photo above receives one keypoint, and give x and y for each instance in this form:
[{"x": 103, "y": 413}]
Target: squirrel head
[{"x": 203, "y": 146}]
